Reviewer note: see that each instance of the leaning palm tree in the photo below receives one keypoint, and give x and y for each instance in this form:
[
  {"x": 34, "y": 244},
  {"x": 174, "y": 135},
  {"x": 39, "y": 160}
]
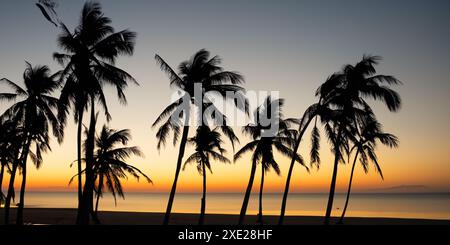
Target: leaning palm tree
[
  {"x": 347, "y": 91},
  {"x": 199, "y": 70},
  {"x": 318, "y": 110},
  {"x": 364, "y": 139},
  {"x": 32, "y": 116},
  {"x": 263, "y": 146},
  {"x": 208, "y": 145},
  {"x": 89, "y": 58}
]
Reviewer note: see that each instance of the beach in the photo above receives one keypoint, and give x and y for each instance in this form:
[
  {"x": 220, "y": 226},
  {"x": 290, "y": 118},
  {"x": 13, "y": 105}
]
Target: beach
[{"x": 62, "y": 216}]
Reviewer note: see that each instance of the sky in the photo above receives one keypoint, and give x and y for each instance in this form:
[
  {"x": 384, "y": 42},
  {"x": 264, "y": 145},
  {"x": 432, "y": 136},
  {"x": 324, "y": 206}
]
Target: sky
[{"x": 285, "y": 46}]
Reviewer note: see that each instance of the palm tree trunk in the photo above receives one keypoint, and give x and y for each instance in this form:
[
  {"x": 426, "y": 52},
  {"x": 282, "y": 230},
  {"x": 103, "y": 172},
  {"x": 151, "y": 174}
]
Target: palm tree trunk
[
  {"x": 99, "y": 191},
  {"x": 79, "y": 168},
  {"x": 349, "y": 189},
  {"x": 291, "y": 168},
  {"x": 2, "y": 172},
  {"x": 11, "y": 185},
  {"x": 19, "y": 219},
  {"x": 331, "y": 193},
  {"x": 333, "y": 182},
  {"x": 260, "y": 214},
  {"x": 247, "y": 194},
  {"x": 10, "y": 193},
  {"x": 203, "y": 205},
  {"x": 178, "y": 168},
  {"x": 89, "y": 185}
]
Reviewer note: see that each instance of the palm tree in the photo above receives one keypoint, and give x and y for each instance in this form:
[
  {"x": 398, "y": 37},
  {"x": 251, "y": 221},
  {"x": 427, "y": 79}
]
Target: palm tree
[
  {"x": 263, "y": 146},
  {"x": 207, "y": 144},
  {"x": 364, "y": 140},
  {"x": 8, "y": 143},
  {"x": 41, "y": 143},
  {"x": 199, "y": 69},
  {"x": 347, "y": 91},
  {"x": 313, "y": 112},
  {"x": 89, "y": 58},
  {"x": 32, "y": 115},
  {"x": 110, "y": 166},
  {"x": 12, "y": 139}
]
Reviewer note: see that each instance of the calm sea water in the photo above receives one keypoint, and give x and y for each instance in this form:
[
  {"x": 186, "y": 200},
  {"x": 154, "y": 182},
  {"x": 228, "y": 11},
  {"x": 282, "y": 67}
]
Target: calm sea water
[{"x": 426, "y": 205}]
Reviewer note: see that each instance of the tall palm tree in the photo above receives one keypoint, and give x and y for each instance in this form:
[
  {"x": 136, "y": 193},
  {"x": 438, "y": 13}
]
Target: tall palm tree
[
  {"x": 199, "y": 69},
  {"x": 208, "y": 145},
  {"x": 33, "y": 115},
  {"x": 364, "y": 138},
  {"x": 263, "y": 146},
  {"x": 347, "y": 91},
  {"x": 313, "y": 112},
  {"x": 89, "y": 58}
]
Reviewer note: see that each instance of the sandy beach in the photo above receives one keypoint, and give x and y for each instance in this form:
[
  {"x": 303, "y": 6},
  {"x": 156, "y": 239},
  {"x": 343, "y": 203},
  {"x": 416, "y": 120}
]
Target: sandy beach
[{"x": 56, "y": 216}]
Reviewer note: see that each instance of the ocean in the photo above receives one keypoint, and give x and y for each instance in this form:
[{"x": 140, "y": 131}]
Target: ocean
[{"x": 417, "y": 205}]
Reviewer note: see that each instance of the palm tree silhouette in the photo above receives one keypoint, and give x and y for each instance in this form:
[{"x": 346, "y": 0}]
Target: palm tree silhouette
[
  {"x": 34, "y": 114},
  {"x": 199, "y": 69},
  {"x": 207, "y": 144},
  {"x": 263, "y": 146},
  {"x": 313, "y": 112},
  {"x": 12, "y": 143},
  {"x": 89, "y": 58},
  {"x": 10, "y": 140},
  {"x": 346, "y": 91},
  {"x": 364, "y": 138},
  {"x": 110, "y": 166}
]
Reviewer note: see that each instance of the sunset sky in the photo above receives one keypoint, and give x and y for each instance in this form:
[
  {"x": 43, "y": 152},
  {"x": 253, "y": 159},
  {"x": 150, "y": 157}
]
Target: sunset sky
[{"x": 287, "y": 46}]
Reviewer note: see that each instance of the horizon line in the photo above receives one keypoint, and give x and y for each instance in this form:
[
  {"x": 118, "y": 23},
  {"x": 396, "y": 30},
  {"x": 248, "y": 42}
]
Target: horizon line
[{"x": 268, "y": 193}]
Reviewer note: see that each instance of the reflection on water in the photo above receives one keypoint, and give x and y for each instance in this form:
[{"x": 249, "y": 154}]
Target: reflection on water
[{"x": 425, "y": 205}]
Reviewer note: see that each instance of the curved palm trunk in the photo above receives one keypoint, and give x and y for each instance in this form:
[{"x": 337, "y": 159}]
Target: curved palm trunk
[
  {"x": 349, "y": 189},
  {"x": 247, "y": 194},
  {"x": 19, "y": 219},
  {"x": 12, "y": 178},
  {"x": 291, "y": 168},
  {"x": 178, "y": 169},
  {"x": 79, "y": 168},
  {"x": 260, "y": 214},
  {"x": 201, "y": 221},
  {"x": 10, "y": 193},
  {"x": 333, "y": 183}
]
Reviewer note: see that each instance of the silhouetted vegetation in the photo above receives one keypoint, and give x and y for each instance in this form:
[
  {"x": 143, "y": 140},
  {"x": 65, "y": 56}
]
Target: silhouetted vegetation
[
  {"x": 32, "y": 118},
  {"x": 200, "y": 69},
  {"x": 263, "y": 147},
  {"x": 88, "y": 54}
]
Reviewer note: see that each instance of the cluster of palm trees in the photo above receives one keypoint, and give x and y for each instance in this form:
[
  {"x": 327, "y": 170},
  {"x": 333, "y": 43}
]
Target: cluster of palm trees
[
  {"x": 342, "y": 113},
  {"x": 347, "y": 119},
  {"x": 88, "y": 58}
]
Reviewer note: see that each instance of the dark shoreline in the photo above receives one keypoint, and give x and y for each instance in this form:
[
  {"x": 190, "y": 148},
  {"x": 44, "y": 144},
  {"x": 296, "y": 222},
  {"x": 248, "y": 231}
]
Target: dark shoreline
[{"x": 61, "y": 216}]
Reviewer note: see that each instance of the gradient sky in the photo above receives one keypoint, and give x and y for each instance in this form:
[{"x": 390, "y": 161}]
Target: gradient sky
[{"x": 287, "y": 46}]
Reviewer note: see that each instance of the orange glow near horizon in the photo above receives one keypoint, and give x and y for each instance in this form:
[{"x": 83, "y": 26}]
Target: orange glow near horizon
[{"x": 234, "y": 177}]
